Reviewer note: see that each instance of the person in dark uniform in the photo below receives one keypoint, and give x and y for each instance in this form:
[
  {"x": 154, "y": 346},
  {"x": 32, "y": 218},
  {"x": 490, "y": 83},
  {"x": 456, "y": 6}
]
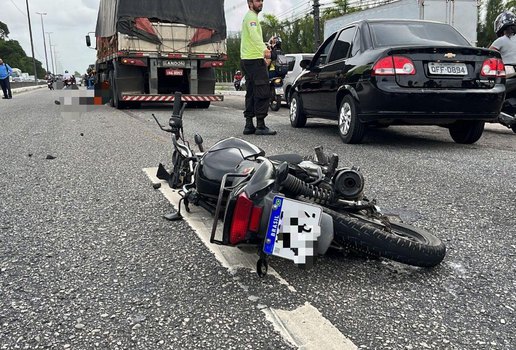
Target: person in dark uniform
[{"x": 253, "y": 53}]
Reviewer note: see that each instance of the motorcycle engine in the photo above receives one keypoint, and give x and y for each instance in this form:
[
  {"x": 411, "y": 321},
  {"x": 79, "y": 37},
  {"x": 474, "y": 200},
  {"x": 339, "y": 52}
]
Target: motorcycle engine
[{"x": 348, "y": 183}]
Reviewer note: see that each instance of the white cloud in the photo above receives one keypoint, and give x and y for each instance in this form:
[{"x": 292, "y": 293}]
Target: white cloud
[{"x": 71, "y": 20}]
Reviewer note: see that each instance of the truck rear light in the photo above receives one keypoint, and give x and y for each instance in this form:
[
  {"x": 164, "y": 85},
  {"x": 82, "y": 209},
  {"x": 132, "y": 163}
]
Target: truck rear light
[
  {"x": 134, "y": 62},
  {"x": 394, "y": 65},
  {"x": 493, "y": 67},
  {"x": 210, "y": 64},
  {"x": 246, "y": 217}
]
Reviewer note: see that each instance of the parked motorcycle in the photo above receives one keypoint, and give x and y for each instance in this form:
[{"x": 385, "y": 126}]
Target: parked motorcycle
[
  {"x": 508, "y": 115},
  {"x": 276, "y": 86},
  {"x": 286, "y": 205}
]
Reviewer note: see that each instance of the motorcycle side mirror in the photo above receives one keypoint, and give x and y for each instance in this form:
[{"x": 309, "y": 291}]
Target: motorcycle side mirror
[{"x": 198, "y": 142}]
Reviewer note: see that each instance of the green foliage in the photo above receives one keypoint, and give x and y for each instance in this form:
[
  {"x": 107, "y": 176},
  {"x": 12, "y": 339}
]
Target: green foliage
[
  {"x": 12, "y": 53},
  {"x": 485, "y": 31}
]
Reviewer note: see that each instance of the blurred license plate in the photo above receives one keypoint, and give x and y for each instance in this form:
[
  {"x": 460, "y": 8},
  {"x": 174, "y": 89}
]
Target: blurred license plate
[
  {"x": 174, "y": 72},
  {"x": 293, "y": 228},
  {"x": 447, "y": 68},
  {"x": 279, "y": 91}
]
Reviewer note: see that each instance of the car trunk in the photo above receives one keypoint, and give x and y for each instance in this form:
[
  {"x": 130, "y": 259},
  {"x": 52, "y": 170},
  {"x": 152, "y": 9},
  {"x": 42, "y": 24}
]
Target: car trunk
[{"x": 451, "y": 67}]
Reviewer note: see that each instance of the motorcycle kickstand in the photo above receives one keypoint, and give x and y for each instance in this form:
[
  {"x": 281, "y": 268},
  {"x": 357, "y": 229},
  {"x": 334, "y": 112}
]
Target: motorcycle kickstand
[
  {"x": 262, "y": 265},
  {"x": 176, "y": 214}
]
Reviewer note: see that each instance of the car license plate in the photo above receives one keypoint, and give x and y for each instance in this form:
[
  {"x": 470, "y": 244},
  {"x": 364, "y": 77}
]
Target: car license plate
[
  {"x": 293, "y": 229},
  {"x": 176, "y": 64},
  {"x": 174, "y": 72},
  {"x": 279, "y": 91},
  {"x": 447, "y": 68}
]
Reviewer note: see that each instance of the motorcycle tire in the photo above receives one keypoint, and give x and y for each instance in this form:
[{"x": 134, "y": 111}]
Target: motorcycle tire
[
  {"x": 402, "y": 243},
  {"x": 275, "y": 102}
]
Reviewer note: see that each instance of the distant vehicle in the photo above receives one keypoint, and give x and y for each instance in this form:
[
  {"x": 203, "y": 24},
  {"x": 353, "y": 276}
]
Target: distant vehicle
[
  {"x": 294, "y": 69},
  {"x": 146, "y": 52},
  {"x": 396, "y": 72},
  {"x": 78, "y": 80}
]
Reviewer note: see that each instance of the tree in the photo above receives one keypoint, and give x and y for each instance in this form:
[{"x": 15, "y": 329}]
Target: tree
[
  {"x": 4, "y": 31},
  {"x": 13, "y": 54},
  {"x": 486, "y": 34}
]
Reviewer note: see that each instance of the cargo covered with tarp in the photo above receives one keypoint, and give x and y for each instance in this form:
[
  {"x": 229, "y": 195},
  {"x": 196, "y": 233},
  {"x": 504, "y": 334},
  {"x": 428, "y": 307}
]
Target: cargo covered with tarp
[{"x": 175, "y": 26}]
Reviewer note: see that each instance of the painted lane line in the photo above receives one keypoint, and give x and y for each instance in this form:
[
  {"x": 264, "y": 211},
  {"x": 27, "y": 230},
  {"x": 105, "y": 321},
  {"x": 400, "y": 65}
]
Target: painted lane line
[{"x": 305, "y": 327}]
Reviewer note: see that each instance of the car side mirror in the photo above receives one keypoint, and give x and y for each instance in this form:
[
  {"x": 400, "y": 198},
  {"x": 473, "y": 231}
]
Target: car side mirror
[
  {"x": 304, "y": 63},
  {"x": 88, "y": 41}
]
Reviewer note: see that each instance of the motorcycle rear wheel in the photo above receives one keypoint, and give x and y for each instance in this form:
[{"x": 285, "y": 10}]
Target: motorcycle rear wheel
[
  {"x": 402, "y": 243},
  {"x": 275, "y": 102}
]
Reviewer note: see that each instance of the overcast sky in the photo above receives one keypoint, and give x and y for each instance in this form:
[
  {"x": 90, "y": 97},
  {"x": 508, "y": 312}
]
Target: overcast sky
[{"x": 70, "y": 20}]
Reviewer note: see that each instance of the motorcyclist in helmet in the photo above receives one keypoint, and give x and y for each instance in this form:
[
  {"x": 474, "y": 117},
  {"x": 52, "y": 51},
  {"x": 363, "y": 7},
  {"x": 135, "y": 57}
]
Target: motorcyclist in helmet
[
  {"x": 275, "y": 47},
  {"x": 505, "y": 27}
]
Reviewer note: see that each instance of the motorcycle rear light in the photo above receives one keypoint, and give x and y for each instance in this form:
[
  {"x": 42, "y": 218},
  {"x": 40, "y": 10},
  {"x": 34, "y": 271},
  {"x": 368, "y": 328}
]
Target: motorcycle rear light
[
  {"x": 256, "y": 216},
  {"x": 241, "y": 219},
  {"x": 493, "y": 67},
  {"x": 394, "y": 65}
]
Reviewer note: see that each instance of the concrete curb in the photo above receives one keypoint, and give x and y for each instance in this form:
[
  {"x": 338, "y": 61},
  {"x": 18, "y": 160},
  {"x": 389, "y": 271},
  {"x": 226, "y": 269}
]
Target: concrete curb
[
  {"x": 229, "y": 93},
  {"x": 27, "y": 88}
]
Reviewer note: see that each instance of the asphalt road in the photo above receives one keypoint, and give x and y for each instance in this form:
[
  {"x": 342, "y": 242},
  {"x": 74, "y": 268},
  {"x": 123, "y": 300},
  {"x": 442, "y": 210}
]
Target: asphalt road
[{"x": 86, "y": 260}]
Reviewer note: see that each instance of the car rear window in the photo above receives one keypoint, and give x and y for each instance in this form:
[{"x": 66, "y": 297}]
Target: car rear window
[{"x": 415, "y": 33}]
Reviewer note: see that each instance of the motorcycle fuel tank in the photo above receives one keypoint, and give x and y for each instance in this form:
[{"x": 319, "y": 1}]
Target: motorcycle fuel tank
[{"x": 220, "y": 159}]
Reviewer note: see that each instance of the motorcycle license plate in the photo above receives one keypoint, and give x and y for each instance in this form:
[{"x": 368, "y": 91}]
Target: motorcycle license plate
[
  {"x": 279, "y": 91},
  {"x": 293, "y": 229}
]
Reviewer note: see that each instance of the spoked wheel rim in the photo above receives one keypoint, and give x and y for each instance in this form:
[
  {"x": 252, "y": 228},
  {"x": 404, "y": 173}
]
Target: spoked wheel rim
[
  {"x": 293, "y": 109},
  {"x": 345, "y": 118}
]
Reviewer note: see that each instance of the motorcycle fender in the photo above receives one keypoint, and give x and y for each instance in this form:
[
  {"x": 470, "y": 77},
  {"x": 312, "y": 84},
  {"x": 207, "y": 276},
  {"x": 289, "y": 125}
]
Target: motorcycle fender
[{"x": 326, "y": 237}]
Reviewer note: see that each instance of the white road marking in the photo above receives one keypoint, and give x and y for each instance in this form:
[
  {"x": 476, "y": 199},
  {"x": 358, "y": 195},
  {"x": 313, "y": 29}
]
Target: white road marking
[{"x": 304, "y": 327}]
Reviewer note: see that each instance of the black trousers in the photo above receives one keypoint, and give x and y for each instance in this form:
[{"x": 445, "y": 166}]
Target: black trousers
[
  {"x": 6, "y": 87},
  {"x": 258, "y": 94}
]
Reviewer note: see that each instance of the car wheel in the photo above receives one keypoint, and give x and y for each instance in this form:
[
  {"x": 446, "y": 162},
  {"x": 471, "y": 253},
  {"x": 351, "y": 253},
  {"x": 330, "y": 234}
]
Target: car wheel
[
  {"x": 297, "y": 115},
  {"x": 513, "y": 127},
  {"x": 351, "y": 130},
  {"x": 467, "y": 132}
]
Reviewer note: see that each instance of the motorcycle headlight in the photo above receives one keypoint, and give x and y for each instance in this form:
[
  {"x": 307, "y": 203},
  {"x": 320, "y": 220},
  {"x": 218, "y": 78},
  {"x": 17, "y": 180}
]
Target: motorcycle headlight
[
  {"x": 277, "y": 81},
  {"x": 348, "y": 183}
]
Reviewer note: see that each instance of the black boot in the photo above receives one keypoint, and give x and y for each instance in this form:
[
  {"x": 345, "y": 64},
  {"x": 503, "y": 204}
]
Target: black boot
[
  {"x": 261, "y": 129},
  {"x": 249, "y": 126}
]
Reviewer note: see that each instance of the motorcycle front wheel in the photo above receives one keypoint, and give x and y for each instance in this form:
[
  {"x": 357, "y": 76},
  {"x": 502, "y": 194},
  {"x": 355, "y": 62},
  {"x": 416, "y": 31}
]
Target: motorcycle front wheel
[{"x": 396, "y": 241}]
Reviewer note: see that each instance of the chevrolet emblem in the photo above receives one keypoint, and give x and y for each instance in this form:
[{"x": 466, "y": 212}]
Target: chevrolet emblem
[{"x": 449, "y": 55}]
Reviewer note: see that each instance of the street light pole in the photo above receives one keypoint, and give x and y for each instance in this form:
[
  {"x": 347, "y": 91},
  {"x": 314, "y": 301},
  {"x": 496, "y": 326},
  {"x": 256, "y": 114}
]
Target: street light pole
[
  {"x": 51, "y": 55},
  {"x": 32, "y": 44},
  {"x": 43, "y": 31}
]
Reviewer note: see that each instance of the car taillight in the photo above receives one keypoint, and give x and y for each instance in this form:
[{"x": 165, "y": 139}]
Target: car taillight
[
  {"x": 493, "y": 67},
  {"x": 246, "y": 217},
  {"x": 394, "y": 65}
]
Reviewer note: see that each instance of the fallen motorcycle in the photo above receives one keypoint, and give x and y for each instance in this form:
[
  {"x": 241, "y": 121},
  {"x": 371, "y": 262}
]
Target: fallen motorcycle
[{"x": 287, "y": 205}]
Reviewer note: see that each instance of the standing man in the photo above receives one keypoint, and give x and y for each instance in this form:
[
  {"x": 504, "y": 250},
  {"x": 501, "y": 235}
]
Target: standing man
[
  {"x": 253, "y": 53},
  {"x": 5, "y": 73}
]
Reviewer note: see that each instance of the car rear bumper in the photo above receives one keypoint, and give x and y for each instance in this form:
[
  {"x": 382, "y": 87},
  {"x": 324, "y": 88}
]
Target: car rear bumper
[{"x": 393, "y": 104}]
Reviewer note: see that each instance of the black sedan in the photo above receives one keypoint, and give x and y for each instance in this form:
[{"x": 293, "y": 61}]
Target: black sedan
[{"x": 398, "y": 72}]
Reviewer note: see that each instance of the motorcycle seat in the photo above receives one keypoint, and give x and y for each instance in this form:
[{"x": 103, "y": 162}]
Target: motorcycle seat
[{"x": 291, "y": 158}]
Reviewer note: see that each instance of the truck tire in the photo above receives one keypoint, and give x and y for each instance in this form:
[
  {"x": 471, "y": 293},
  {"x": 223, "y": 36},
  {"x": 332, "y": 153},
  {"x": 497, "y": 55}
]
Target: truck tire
[{"x": 115, "y": 101}]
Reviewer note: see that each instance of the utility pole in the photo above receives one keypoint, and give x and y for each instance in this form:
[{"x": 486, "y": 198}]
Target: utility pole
[
  {"x": 51, "y": 55},
  {"x": 43, "y": 31},
  {"x": 32, "y": 44},
  {"x": 316, "y": 24}
]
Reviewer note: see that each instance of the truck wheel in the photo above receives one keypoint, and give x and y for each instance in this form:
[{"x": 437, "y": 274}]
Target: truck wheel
[
  {"x": 115, "y": 101},
  {"x": 467, "y": 132}
]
